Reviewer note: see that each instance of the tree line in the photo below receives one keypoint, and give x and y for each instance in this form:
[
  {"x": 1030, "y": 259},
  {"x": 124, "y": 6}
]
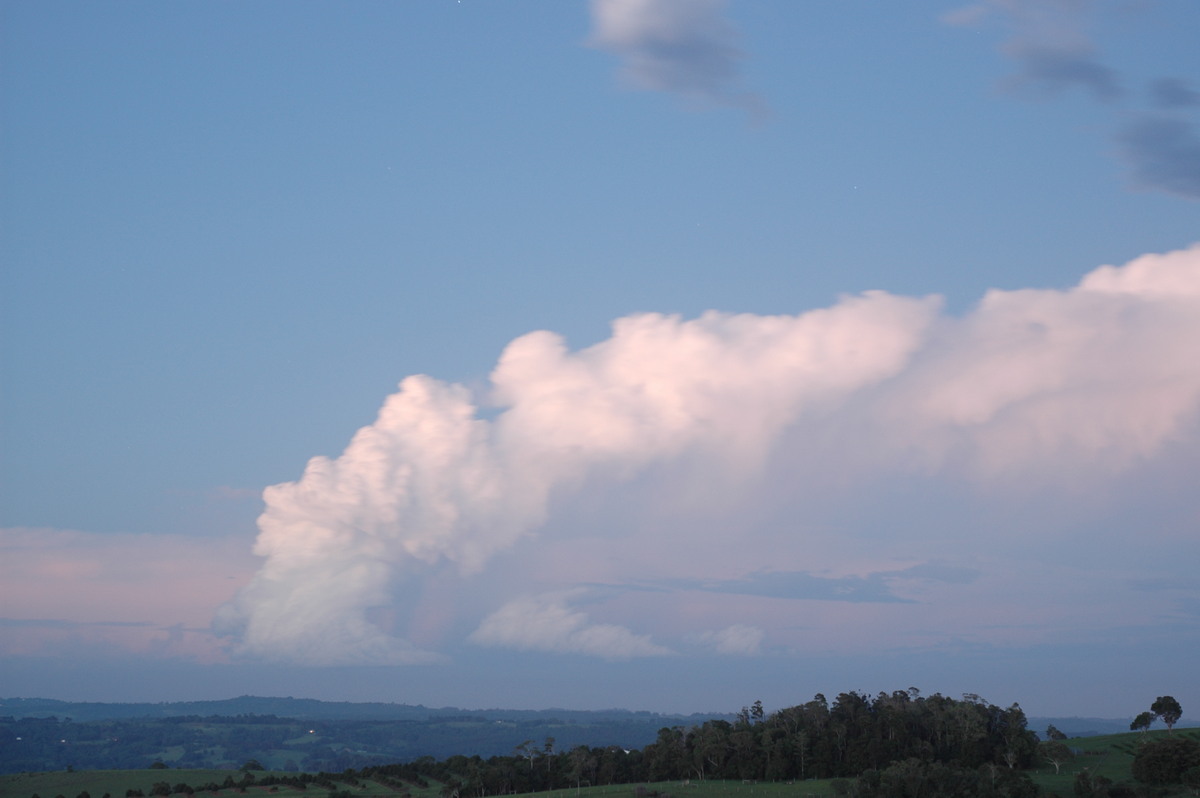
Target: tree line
[
  {"x": 851, "y": 736},
  {"x": 894, "y": 745}
]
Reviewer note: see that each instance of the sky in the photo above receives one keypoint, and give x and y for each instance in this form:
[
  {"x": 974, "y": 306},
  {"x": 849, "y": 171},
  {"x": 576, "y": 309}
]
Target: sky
[{"x": 658, "y": 354}]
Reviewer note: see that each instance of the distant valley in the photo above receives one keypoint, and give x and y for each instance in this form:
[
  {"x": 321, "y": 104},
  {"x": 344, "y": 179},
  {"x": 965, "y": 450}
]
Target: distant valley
[{"x": 297, "y": 734}]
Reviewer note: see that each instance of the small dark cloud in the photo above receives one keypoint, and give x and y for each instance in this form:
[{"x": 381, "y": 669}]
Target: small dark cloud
[
  {"x": 876, "y": 587},
  {"x": 1061, "y": 68},
  {"x": 1053, "y": 52},
  {"x": 1165, "y": 155},
  {"x": 802, "y": 585},
  {"x": 1173, "y": 93}
]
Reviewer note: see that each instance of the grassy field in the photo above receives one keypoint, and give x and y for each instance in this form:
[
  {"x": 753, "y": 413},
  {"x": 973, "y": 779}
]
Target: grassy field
[
  {"x": 116, "y": 782},
  {"x": 98, "y": 782},
  {"x": 1110, "y": 756}
]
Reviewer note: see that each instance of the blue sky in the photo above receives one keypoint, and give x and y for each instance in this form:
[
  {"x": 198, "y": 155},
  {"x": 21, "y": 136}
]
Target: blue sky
[{"x": 771, "y": 349}]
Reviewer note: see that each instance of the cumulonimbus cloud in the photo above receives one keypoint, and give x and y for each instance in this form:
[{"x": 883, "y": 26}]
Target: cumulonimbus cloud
[
  {"x": 1030, "y": 385},
  {"x": 684, "y": 47}
]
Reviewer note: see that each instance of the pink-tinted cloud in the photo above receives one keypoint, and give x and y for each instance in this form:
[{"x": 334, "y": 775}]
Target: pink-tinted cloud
[
  {"x": 676, "y": 446},
  {"x": 548, "y": 623},
  {"x": 736, "y": 640},
  {"x": 141, "y": 593}
]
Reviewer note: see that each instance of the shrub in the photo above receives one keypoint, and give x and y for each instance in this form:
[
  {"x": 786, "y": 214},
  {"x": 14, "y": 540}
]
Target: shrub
[
  {"x": 1088, "y": 785},
  {"x": 1165, "y": 761}
]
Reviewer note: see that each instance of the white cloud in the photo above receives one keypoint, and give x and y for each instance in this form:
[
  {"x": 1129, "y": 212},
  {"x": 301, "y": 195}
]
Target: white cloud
[
  {"x": 1096, "y": 376},
  {"x": 681, "y": 46},
  {"x": 547, "y": 623},
  {"x": 1032, "y": 388},
  {"x": 738, "y": 639}
]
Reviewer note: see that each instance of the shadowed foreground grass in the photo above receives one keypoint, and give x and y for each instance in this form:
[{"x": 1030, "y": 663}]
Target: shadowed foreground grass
[
  {"x": 115, "y": 782},
  {"x": 1110, "y": 756}
]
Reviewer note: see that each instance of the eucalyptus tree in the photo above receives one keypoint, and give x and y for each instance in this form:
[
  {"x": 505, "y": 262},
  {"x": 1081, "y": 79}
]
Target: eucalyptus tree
[{"x": 1167, "y": 708}]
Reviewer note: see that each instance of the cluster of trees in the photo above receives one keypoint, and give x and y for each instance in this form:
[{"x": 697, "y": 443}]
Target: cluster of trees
[
  {"x": 851, "y": 735},
  {"x": 885, "y": 738},
  {"x": 1164, "y": 708}
]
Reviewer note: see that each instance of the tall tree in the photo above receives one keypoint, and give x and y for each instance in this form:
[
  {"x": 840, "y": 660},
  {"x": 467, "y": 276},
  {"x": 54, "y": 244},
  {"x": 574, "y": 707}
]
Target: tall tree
[
  {"x": 1167, "y": 708},
  {"x": 1142, "y": 722},
  {"x": 1055, "y": 752}
]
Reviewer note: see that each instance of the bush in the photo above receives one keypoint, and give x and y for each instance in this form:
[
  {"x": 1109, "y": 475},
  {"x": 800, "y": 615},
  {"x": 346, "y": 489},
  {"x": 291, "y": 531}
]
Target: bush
[
  {"x": 1091, "y": 786},
  {"x": 1165, "y": 761}
]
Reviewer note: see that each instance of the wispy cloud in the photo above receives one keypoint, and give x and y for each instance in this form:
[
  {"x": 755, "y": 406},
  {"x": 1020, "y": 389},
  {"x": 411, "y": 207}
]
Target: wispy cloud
[
  {"x": 1174, "y": 93},
  {"x": 59, "y": 623},
  {"x": 151, "y": 594},
  {"x": 684, "y": 47},
  {"x": 1061, "y": 67},
  {"x": 877, "y": 586},
  {"x": 801, "y": 585},
  {"x": 1050, "y": 45},
  {"x": 1048, "y": 42},
  {"x": 1165, "y": 155}
]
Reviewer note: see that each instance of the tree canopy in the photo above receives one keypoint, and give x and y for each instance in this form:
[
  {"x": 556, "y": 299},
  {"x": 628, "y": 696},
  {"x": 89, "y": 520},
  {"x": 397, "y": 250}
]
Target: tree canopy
[{"x": 1167, "y": 708}]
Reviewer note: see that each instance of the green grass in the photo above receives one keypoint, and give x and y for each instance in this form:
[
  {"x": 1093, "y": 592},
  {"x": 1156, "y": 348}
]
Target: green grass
[
  {"x": 98, "y": 782},
  {"x": 116, "y": 782},
  {"x": 699, "y": 789},
  {"x": 1109, "y": 755}
]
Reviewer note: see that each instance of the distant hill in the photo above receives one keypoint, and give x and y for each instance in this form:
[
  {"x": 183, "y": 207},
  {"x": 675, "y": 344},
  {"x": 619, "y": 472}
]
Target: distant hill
[
  {"x": 312, "y": 709},
  {"x": 295, "y": 734},
  {"x": 39, "y": 734}
]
